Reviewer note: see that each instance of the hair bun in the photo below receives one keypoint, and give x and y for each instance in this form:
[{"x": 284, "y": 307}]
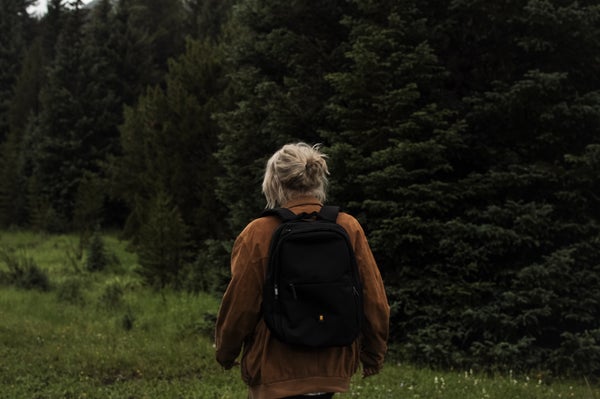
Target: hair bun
[
  {"x": 295, "y": 169},
  {"x": 311, "y": 166}
]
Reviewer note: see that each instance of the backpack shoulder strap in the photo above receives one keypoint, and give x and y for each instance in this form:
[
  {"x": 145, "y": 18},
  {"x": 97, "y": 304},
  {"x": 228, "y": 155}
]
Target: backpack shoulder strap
[
  {"x": 329, "y": 213},
  {"x": 283, "y": 213}
]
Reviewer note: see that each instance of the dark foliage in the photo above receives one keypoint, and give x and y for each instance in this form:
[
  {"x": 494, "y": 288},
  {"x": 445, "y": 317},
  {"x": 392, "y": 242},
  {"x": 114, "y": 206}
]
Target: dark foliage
[{"x": 464, "y": 135}]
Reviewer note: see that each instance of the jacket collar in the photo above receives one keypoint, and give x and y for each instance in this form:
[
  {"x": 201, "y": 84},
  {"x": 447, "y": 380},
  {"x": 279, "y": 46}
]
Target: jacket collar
[{"x": 302, "y": 201}]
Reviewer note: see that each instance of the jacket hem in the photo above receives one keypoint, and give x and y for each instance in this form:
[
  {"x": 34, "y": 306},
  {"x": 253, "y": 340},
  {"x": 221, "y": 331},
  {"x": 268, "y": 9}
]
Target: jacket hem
[{"x": 299, "y": 386}]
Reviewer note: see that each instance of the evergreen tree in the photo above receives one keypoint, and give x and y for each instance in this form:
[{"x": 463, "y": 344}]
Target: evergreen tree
[
  {"x": 208, "y": 17},
  {"x": 15, "y": 31},
  {"x": 280, "y": 54},
  {"x": 76, "y": 130},
  {"x": 29, "y": 82},
  {"x": 458, "y": 149},
  {"x": 162, "y": 22},
  {"x": 102, "y": 92},
  {"x": 133, "y": 49},
  {"x": 168, "y": 142},
  {"x": 394, "y": 147},
  {"x": 163, "y": 243},
  {"x": 13, "y": 166},
  {"x": 13, "y": 182},
  {"x": 18, "y": 104},
  {"x": 57, "y": 155},
  {"x": 96, "y": 257},
  {"x": 51, "y": 25},
  {"x": 490, "y": 280}
]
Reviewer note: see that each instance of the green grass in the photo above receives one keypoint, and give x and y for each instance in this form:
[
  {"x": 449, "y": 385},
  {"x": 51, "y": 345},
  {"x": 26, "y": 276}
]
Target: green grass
[{"x": 111, "y": 337}]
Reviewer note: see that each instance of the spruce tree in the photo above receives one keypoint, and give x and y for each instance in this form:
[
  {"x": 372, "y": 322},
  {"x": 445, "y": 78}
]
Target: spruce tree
[
  {"x": 77, "y": 128},
  {"x": 168, "y": 142},
  {"x": 162, "y": 22},
  {"x": 15, "y": 29},
  {"x": 57, "y": 154},
  {"x": 395, "y": 145},
  {"x": 207, "y": 18},
  {"x": 133, "y": 49},
  {"x": 13, "y": 166},
  {"x": 459, "y": 149},
  {"x": 498, "y": 272},
  {"x": 280, "y": 54},
  {"x": 163, "y": 243}
]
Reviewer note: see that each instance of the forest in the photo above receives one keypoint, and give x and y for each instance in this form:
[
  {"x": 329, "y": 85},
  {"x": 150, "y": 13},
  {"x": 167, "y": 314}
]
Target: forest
[{"x": 464, "y": 136}]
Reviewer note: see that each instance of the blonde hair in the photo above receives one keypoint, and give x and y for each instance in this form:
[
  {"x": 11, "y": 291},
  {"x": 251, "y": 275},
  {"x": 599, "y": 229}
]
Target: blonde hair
[{"x": 295, "y": 170}]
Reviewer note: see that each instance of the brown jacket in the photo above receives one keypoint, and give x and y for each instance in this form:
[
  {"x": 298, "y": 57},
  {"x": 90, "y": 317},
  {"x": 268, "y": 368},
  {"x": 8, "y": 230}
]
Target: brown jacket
[{"x": 271, "y": 368}]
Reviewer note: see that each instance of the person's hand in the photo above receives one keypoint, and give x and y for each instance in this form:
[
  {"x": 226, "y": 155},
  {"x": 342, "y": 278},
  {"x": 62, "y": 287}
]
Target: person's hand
[
  {"x": 231, "y": 365},
  {"x": 367, "y": 372}
]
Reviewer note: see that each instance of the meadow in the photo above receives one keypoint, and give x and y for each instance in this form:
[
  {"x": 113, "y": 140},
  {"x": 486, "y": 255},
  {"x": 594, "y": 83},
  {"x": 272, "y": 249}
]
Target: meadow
[{"x": 106, "y": 335}]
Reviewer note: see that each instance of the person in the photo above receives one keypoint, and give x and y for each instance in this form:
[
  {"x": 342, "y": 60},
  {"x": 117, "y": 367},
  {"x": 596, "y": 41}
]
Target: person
[{"x": 295, "y": 178}]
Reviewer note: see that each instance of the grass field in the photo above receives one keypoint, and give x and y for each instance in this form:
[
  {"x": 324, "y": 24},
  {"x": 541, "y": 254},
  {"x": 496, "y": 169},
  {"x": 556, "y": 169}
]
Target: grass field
[{"x": 105, "y": 335}]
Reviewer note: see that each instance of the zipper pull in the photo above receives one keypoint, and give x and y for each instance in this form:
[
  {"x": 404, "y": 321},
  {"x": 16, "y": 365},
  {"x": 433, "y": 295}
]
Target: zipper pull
[{"x": 276, "y": 291}]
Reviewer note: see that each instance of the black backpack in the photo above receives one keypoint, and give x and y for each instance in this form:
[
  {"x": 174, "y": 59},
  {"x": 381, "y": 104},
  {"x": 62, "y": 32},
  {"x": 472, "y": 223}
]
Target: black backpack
[{"x": 312, "y": 294}]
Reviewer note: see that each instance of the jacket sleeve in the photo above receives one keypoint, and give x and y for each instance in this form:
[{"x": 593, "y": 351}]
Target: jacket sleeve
[
  {"x": 240, "y": 307},
  {"x": 375, "y": 330}
]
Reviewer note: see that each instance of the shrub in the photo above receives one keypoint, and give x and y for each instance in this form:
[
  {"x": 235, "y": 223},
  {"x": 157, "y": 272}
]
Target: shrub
[
  {"x": 204, "y": 326},
  {"x": 112, "y": 296},
  {"x": 128, "y": 320},
  {"x": 23, "y": 272},
  {"x": 70, "y": 291},
  {"x": 97, "y": 259},
  {"x": 579, "y": 353},
  {"x": 210, "y": 271}
]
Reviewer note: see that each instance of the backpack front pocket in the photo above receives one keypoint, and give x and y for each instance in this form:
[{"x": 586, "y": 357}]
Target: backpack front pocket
[{"x": 324, "y": 314}]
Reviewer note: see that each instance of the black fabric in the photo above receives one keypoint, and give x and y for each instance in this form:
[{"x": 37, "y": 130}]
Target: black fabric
[{"x": 312, "y": 294}]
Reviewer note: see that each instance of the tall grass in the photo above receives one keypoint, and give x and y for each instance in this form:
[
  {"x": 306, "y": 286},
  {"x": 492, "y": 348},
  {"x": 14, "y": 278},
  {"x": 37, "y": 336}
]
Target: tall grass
[{"x": 105, "y": 335}]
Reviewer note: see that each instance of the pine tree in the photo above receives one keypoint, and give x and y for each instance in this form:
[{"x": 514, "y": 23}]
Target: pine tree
[
  {"x": 57, "y": 137},
  {"x": 168, "y": 142},
  {"x": 207, "y": 18},
  {"x": 76, "y": 130},
  {"x": 133, "y": 49},
  {"x": 162, "y": 22},
  {"x": 13, "y": 166},
  {"x": 394, "y": 149},
  {"x": 15, "y": 30},
  {"x": 20, "y": 80},
  {"x": 29, "y": 82},
  {"x": 280, "y": 54},
  {"x": 163, "y": 243},
  {"x": 102, "y": 92},
  {"x": 498, "y": 272},
  {"x": 458, "y": 150},
  {"x": 52, "y": 25}
]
